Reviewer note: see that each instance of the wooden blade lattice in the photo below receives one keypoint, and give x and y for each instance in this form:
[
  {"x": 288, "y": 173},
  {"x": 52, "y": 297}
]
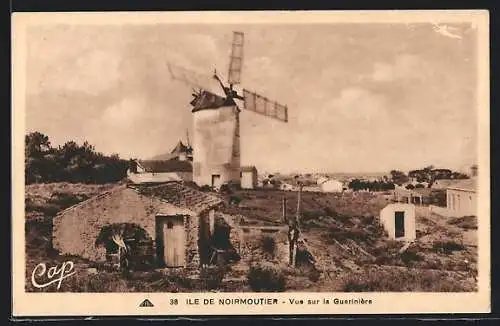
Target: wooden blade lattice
[
  {"x": 236, "y": 59},
  {"x": 190, "y": 77},
  {"x": 262, "y": 105}
]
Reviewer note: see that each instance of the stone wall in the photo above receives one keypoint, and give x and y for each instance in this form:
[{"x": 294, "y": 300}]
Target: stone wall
[
  {"x": 250, "y": 245},
  {"x": 191, "y": 224},
  {"x": 76, "y": 229}
]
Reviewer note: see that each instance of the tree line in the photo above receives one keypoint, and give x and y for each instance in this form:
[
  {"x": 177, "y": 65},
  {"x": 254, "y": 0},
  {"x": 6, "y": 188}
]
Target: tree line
[
  {"x": 426, "y": 175},
  {"x": 70, "y": 162}
]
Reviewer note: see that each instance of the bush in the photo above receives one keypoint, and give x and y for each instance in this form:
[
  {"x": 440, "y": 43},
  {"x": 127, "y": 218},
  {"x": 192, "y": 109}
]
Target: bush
[
  {"x": 234, "y": 200},
  {"x": 466, "y": 222},
  {"x": 410, "y": 256},
  {"x": 205, "y": 188},
  {"x": 266, "y": 277},
  {"x": 447, "y": 247},
  {"x": 212, "y": 277}
]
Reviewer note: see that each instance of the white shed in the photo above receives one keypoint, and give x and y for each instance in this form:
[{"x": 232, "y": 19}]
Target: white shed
[
  {"x": 399, "y": 221},
  {"x": 332, "y": 185}
]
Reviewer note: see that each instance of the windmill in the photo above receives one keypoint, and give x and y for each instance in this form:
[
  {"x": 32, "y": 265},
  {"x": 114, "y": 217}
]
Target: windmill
[{"x": 216, "y": 137}]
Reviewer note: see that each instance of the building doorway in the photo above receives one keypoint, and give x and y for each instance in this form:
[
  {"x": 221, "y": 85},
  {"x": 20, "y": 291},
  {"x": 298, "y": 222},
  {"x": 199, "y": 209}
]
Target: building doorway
[
  {"x": 171, "y": 240},
  {"x": 216, "y": 182},
  {"x": 399, "y": 224}
]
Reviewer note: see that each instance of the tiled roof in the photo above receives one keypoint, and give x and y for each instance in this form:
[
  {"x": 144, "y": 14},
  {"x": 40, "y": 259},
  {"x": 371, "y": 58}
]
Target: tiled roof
[
  {"x": 173, "y": 165},
  {"x": 181, "y": 195}
]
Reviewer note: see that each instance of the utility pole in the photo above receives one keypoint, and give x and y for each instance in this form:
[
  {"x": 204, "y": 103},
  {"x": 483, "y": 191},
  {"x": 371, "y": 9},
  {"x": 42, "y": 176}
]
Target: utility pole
[{"x": 283, "y": 212}]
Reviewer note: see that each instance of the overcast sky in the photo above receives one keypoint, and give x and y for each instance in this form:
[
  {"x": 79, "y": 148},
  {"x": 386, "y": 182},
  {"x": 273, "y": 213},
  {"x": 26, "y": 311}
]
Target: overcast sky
[{"x": 361, "y": 97}]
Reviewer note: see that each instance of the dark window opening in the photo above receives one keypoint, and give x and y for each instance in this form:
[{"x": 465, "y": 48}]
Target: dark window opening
[{"x": 399, "y": 224}]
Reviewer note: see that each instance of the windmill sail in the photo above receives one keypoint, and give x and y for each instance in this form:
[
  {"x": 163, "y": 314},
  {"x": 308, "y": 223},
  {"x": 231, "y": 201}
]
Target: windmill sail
[
  {"x": 236, "y": 59},
  {"x": 261, "y": 105},
  {"x": 190, "y": 77}
]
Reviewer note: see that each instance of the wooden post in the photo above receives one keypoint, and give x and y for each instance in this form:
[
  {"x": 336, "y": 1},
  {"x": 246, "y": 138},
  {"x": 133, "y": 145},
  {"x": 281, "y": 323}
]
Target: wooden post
[
  {"x": 294, "y": 232},
  {"x": 284, "y": 209},
  {"x": 299, "y": 204}
]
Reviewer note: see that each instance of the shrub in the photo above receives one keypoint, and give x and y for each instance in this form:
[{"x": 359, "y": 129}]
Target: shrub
[
  {"x": 447, "y": 247},
  {"x": 266, "y": 277},
  {"x": 465, "y": 222},
  {"x": 410, "y": 256},
  {"x": 205, "y": 188},
  {"x": 304, "y": 257},
  {"x": 234, "y": 200},
  {"x": 212, "y": 277}
]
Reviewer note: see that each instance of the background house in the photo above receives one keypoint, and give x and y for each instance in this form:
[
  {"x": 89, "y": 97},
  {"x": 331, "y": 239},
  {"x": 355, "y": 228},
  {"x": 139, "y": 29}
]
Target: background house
[
  {"x": 417, "y": 196},
  {"x": 461, "y": 198},
  {"x": 174, "y": 166}
]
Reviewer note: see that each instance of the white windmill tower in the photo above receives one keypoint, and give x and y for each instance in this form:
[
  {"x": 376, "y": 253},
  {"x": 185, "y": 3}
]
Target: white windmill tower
[{"x": 216, "y": 138}]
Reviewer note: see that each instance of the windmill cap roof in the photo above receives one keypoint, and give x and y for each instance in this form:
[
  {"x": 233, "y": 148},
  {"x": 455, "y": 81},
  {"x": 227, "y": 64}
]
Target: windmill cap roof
[{"x": 209, "y": 101}]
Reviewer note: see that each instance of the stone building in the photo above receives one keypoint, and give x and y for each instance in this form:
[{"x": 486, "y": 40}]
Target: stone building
[{"x": 175, "y": 220}]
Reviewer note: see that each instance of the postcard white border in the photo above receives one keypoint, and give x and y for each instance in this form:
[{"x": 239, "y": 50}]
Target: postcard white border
[{"x": 67, "y": 304}]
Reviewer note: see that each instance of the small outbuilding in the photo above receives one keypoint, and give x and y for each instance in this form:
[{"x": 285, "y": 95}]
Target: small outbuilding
[
  {"x": 399, "y": 221},
  {"x": 248, "y": 177}
]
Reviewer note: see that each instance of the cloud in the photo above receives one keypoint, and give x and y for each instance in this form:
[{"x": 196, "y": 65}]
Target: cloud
[
  {"x": 404, "y": 66},
  {"x": 447, "y": 31},
  {"x": 360, "y": 104},
  {"x": 125, "y": 113}
]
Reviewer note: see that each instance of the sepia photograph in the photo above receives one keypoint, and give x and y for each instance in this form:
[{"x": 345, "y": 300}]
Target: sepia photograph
[{"x": 333, "y": 156}]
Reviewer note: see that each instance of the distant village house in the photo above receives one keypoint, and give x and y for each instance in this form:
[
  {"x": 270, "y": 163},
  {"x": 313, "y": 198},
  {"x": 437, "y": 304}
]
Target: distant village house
[
  {"x": 461, "y": 198},
  {"x": 175, "y": 166}
]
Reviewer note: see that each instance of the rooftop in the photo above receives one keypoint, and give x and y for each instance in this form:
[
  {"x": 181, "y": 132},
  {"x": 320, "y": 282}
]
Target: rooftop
[
  {"x": 181, "y": 195},
  {"x": 172, "y": 165},
  {"x": 248, "y": 169},
  {"x": 465, "y": 184}
]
